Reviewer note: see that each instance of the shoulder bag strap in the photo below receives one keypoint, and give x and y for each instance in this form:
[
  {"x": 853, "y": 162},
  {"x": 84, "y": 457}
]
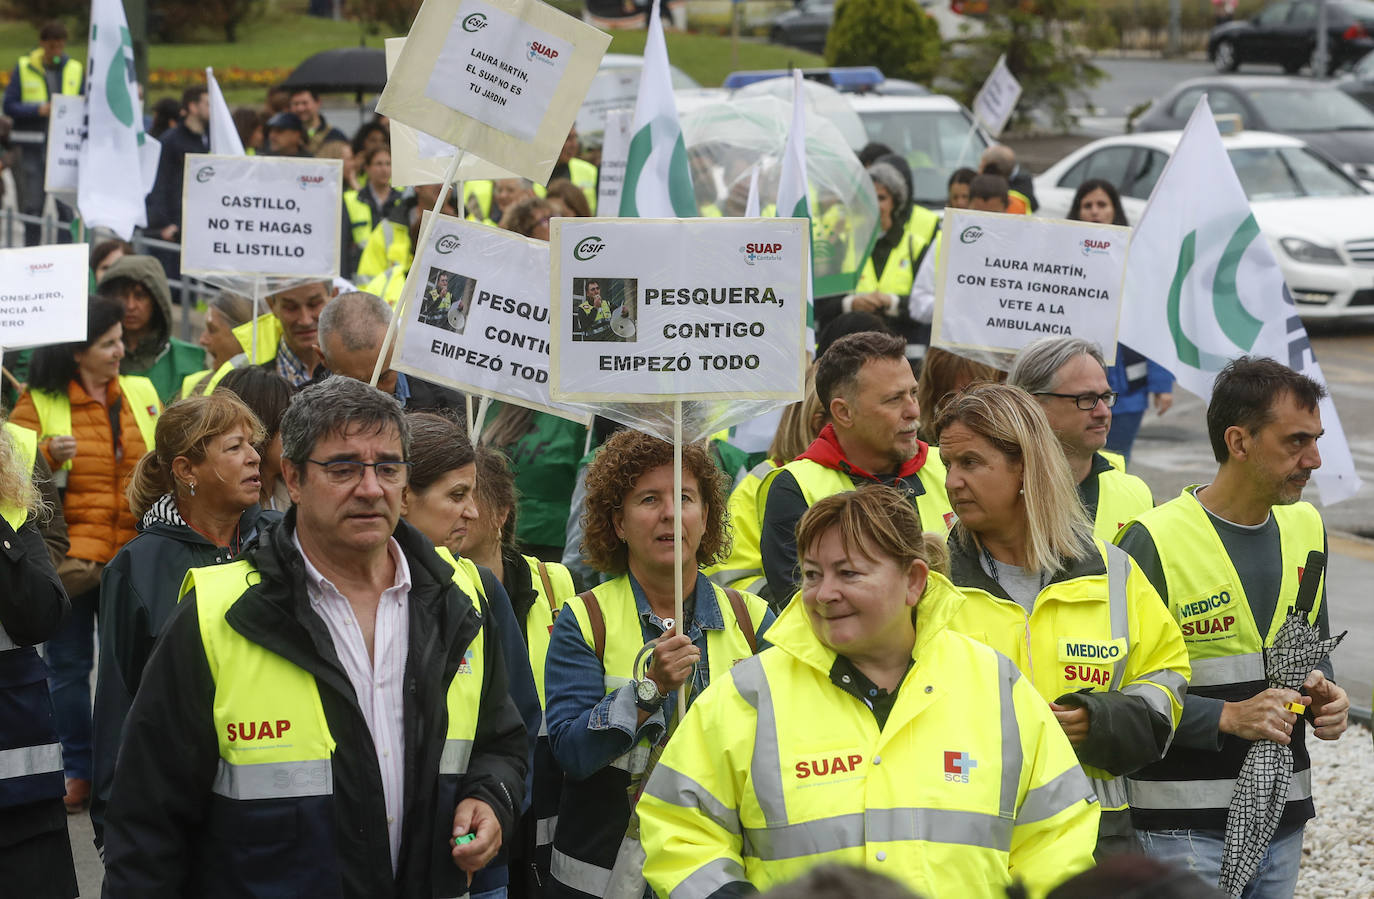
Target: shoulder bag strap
[
  {"x": 746, "y": 624},
  {"x": 597, "y": 623}
]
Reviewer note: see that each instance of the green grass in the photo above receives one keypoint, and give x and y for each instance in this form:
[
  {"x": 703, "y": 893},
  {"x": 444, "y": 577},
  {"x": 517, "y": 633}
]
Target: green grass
[{"x": 284, "y": 39}]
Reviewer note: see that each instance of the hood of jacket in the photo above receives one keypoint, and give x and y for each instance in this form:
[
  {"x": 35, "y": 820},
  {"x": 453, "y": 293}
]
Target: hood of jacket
[
  {"x": 826, "y": 450},
  {"x": 792, "y": 632},
  {"x": 165, "y": 519},
  {"x": 146, "y": 271}
]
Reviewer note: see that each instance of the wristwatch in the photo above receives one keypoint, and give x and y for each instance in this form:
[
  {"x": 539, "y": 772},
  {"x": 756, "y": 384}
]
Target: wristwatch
[{"x": 647, "y": 695}]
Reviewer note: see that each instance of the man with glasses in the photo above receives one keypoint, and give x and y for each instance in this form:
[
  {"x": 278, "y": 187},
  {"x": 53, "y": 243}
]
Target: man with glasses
[
  {"x": 1069, "y": 377},
  {"x": 329, "y": 715}
]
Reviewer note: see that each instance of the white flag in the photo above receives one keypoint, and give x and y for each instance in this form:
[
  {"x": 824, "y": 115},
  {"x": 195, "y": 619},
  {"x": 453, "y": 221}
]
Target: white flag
[
  {"x": 658, "y": 178},
  {"x": 751, "y": 203},
  {"x": 1203, "y": 287},
  {"x": 792, "y": 196},
  {"x": 996, "y": 99},
  {"x": 114, "y": 143},
  {"x": 224, "y": 136}
]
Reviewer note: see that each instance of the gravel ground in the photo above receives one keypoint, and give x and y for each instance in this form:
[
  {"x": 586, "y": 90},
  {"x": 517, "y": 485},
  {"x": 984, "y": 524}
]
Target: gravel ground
[{"x": 1339, "y": 844}]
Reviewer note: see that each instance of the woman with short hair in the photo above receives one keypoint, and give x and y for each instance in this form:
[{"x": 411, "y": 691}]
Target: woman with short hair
[
  {"x": 618, "y": 657},
  {"x": 1070, "y": 610},
  {"x": 871, "y": 734},
  {"x": 196, "y": 500}
]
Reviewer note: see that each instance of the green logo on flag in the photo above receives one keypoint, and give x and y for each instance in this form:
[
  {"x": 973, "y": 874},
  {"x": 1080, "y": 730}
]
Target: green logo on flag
[
  {"x": 118, "y": 78},
  {"x": 1235, "y": 321}
]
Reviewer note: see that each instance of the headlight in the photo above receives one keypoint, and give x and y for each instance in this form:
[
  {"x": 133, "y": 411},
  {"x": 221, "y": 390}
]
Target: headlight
[{"x": 1307, "y": 251}]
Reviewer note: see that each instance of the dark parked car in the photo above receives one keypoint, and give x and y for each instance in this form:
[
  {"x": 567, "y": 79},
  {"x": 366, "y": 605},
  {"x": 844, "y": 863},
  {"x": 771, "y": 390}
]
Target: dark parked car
[
  {"x": 1285, "y": 34},
  {"x": 1316, "y": 112},
  {"x": 804, "y": 27}
]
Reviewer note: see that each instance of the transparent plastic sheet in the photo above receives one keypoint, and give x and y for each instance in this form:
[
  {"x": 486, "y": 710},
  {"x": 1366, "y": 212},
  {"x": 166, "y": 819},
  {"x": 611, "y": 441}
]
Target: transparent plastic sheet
[
  {"x": 648, "y": 314},
  {"x": 725, "y": 141}
]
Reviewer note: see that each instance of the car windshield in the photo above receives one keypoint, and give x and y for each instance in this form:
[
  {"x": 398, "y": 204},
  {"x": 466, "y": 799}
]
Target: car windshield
[
  {"x": 1299, "y": 109},
  {"x": 1285, "y": 173},
  {"x": 933, "y": 142}
]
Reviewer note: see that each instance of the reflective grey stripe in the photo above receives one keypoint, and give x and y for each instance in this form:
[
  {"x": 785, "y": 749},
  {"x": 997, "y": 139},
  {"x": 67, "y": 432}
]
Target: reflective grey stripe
[
  {"x": 27, "y": 760},
  {"x": 761, "y": 470},
  {"x": 676, "y": 788},
  {"x": 1007, "y": 676},
  {"x": 1154, "y": 686},
  {"x": 1202, "y": 794},
  {"x": 613, "y": 683},
  {"x": 1118, "y": 570},
  {"x": 894, "y": 825},
  {"x": 1111, "y": 794},
  {"x": 712, "y": 876},
  {"x": 730, "y": 575},
  {"x": 1236, "y": 669},
  {"x": 1048, "y": 800},
  {"x": 580, "y": 875},
  {"x": 1137, "y": 371},
  {"x": 388, "y": 234},
  {"x": 544, "y": 829},
  {"x": 455, "y": 757},
  {"x": 543, "y": 724},
  {"x": 274, "y": 780},
  {"x": 765, "y": 768},
  {"x": 636, "y": 761}
]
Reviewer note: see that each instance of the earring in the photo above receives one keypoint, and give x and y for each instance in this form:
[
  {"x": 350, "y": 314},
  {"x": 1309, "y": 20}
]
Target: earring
[
  {"x": 1021, "y": 492},
  {"x": 192, "y": 486}
]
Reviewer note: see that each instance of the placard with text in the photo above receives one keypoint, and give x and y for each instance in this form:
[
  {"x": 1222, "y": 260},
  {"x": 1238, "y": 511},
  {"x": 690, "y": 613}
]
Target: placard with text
[
  {"x": 1005, "y": 281},
  {"x": 65, "y": 122},
  {"x": 645, "y": 310},
  {"x": 477, "y": 315},
  {"x": 267, "y": 216},
  {"x": 43, "y": 294},
  {"x": 501, "y": 79}
]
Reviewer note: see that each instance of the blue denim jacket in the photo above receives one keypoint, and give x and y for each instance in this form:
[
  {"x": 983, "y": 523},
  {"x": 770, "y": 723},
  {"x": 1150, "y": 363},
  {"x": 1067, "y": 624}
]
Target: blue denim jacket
[{"x": 589, "y": 728}]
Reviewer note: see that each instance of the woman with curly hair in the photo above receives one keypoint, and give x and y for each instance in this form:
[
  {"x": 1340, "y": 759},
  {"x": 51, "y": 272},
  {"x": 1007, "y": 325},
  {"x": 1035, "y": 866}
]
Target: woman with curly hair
[{"x": 617, "y": 657}]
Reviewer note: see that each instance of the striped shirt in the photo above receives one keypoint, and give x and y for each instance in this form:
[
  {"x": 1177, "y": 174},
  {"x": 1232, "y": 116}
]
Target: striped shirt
[{"x": 377, "y": 681}]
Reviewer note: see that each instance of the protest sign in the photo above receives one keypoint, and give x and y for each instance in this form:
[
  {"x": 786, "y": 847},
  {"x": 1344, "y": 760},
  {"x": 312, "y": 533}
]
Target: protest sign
[
  {"x": 611, "y": 90},
  {"x": 43, "y": 295},
  {"x": 615, "y": 150},
  {"x": 1008, "y": 280},
  {"x": 265, "y": 216},
  {"x": 719, "y": 315},
  {"x": 419, "y": 158},
  {"x": 476, "y": 315},
  {"x": 64, "y": 145},
  {"x": 501, "y": 79},
  {"x": 996, "y": 99}
]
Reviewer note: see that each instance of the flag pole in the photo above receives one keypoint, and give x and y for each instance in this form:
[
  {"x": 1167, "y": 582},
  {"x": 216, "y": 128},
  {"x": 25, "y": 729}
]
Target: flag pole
[
  {"x": 475, "y": 427},
  {"x": 420, "y": 244},
  {"x": 680, "y": 625},
  {"x": 257, "y": 306}
]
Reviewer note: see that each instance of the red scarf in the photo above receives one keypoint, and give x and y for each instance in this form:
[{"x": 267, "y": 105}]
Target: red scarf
[{"x": 825, "y": 450}]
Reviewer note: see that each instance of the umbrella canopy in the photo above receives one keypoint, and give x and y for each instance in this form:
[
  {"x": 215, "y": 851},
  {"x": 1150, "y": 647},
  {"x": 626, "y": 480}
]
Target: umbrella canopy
[
  {"x": 346, "y": 70},
  {"x": 725, "y": 141},
  {"x": 821, "y": 99},
  {"x": 1262, "y": 787}
]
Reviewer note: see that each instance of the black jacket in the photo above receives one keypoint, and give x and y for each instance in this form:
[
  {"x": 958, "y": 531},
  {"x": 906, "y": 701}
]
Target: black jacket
[
  {"x": 138, "y": 593},
  {"x": 166, "y": 834},
  {"x": 164, "y": 200}
]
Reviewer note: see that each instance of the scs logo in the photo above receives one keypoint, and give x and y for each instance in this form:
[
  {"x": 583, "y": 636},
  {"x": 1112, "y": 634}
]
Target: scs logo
[
  {"x": 257, "y": 730},
  {"x": 446, "y": 244},
  {"x": 958, "y": 766},
  {"x": 474, "y": 23},
  {"x": 587, "y": 248},
  {"x": 541, "y": 52}
]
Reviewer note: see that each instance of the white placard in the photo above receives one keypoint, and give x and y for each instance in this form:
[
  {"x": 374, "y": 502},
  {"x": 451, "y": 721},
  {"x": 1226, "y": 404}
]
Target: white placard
[
  {"x": 692, "y": 309},
  {"x": 267, "y": 216},
  {"x": 64, "y": 144},
  {"x": 996, "y": 99},
  {"x": 43, "y": 295},
  {"x": 501, "y": 79},
  {"x": 615, "y": 151},
  {"x": 420, "y": 158},
  {"x": 477, "y": 315},
  {"x": 1008, "y": 280},
  {"x": 610, "y": 91}
]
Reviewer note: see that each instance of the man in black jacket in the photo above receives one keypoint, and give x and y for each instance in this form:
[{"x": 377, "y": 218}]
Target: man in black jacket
[
  {"x": 329, "y": 716},
  {"x": 191, "y": 135}
]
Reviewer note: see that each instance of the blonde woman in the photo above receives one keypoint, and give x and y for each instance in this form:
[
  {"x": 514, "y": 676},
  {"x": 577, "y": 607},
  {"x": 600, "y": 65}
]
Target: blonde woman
[{"x": 1076, "y": 616}]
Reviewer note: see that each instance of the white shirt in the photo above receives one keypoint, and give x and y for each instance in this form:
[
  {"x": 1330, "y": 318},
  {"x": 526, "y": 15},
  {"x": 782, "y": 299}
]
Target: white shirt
[{"x": 378, "y": 681}]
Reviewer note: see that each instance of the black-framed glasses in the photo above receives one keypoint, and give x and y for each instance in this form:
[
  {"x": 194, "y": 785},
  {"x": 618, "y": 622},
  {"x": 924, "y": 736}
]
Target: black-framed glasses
[
  {"x": 347, "y": 473},
  {"x": 1086, "y": 401}
]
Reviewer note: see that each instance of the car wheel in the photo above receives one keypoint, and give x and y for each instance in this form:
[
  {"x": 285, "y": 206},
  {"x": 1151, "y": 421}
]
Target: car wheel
[{"x": 1224, "y": 57}]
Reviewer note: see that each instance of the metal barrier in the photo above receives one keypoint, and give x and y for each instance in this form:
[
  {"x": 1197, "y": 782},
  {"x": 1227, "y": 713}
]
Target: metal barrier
[{"x": 187, "y": 292}]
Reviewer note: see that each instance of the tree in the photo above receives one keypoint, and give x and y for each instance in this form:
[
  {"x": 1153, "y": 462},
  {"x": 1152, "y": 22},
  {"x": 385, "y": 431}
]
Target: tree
[
  {"x": 1039, "y": 44},
  {"x": 177, "y": 20},
  {"x": 894, "y": 35},
  {"x": 395, "y": 16},
  {"x": 39, "y": 12}
]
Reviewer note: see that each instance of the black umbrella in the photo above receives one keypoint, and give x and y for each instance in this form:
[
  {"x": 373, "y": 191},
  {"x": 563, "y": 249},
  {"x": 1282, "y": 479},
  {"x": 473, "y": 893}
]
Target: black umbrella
[
  {"x": 1262, "y": 787},
  {"x": 360, "y": 70}
]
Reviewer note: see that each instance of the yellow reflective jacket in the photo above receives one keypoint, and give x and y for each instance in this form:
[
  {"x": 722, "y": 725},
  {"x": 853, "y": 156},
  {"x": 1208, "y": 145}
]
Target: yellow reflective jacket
[
  {"x": 743, "y": 570},
  {"x": 969, "y": 786},
  {"x": 387, "y": 245},
  {"x": 33, "y": 84},
  {"x": 25, "y": 442},
  {"x": 1097, "y": 627},
  {"x": 1120, "y": 498},
  {"x": 553, "y": 586}
]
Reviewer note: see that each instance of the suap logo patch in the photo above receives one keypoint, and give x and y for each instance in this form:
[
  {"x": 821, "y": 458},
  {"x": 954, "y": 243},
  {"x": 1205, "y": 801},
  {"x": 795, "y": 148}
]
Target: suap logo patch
[
  {"x": 1095, "y": 247},
  {"x": 308, "y": 182},
  {"x": 959, "y": 766},
  {"x": 257, "y": 730},
  {"x": 826, "y": 765},
  {"x": 761, "y": 252},
  {"x": 538, "y": 52}
]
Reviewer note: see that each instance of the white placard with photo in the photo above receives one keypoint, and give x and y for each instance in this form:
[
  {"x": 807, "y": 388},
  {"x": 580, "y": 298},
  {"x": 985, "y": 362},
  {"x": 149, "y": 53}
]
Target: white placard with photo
[
  {"x": 266, "y": 216},
  {"x": 43, "y": 297},
  {"x": 1006, "y": 281},
  {"x": 477, "y": 315},
  {"x": 645, "y": 310},
  {"x": 501, "y": 79}
]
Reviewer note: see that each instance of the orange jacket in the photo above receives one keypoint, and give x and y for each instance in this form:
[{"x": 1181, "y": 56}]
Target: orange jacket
[{"x": 98, "y": 518}]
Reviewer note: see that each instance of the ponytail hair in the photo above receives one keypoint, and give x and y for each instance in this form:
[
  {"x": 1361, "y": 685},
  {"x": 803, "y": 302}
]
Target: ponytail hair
[{"x": 186, "y": 428}]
